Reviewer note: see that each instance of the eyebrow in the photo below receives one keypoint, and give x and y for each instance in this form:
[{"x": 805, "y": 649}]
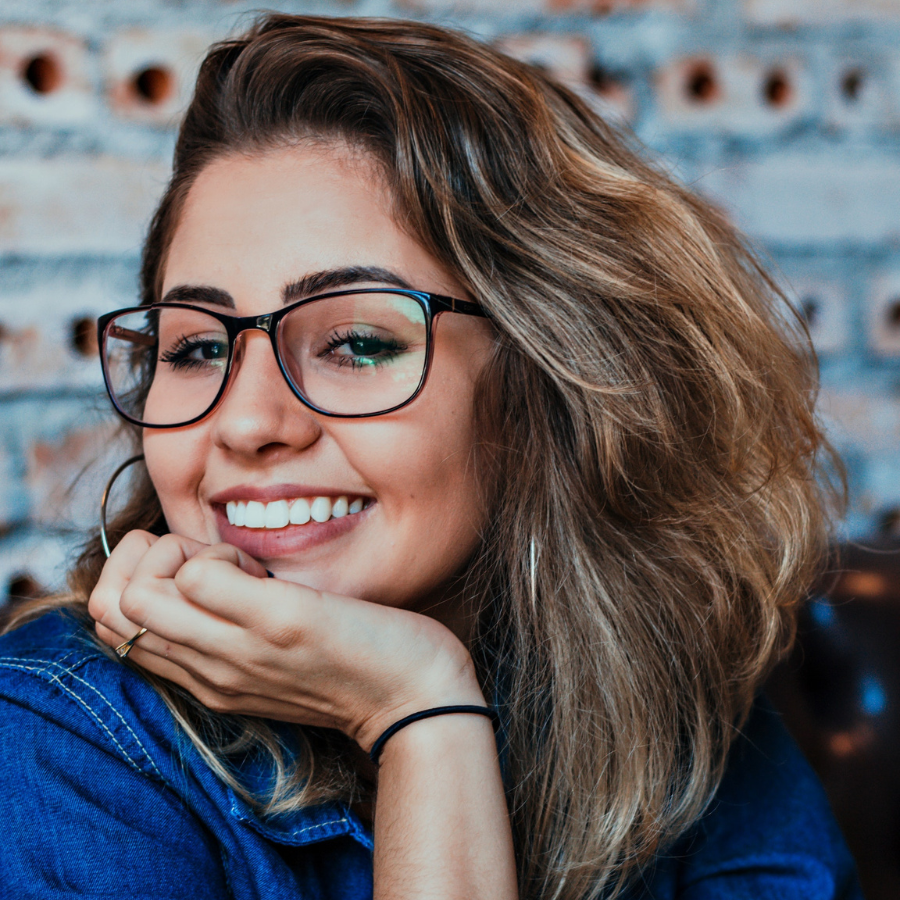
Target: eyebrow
[
  {"x": 198, "y": 293},
  {"x": 307, "y": 286},
  {"x": 331, "y": 279}
]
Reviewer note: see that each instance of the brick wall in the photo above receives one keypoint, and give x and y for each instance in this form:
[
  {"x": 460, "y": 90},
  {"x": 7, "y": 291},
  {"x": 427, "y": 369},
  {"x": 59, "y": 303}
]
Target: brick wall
[{"x": 785, "y": 111}]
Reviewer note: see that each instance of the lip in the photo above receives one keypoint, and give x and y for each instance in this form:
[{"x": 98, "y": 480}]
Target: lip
[
  {"x": 263, "y": 543},
  {"x": 272, "y": 492}
]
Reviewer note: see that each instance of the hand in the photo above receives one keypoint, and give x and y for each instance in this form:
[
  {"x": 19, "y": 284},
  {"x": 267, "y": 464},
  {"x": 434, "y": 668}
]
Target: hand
[{"x": 244, "y": 643}]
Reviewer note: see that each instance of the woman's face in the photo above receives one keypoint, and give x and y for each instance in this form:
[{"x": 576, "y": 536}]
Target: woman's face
[{"x": 251, "y": 225}]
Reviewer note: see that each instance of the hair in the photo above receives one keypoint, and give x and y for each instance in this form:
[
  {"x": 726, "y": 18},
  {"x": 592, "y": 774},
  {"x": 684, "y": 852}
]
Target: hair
[{"x": 658, "y": 481}]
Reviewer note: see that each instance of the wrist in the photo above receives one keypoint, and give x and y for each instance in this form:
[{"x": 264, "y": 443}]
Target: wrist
[
  {"x": 461, "y": 690},
  {"x": 438, "y": 740}
]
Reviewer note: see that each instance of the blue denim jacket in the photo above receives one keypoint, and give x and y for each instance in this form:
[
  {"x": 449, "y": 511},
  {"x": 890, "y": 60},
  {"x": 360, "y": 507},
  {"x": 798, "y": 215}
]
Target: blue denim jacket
[{"x": 101, "y": 796}]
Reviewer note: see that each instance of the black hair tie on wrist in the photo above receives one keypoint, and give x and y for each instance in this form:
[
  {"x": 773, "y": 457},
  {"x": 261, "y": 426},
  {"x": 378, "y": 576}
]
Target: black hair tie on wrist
[{"x": 378, "y": 746}]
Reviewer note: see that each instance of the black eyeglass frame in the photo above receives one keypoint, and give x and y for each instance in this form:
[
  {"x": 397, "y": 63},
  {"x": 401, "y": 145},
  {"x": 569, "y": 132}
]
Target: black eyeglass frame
[{"x": 432, "y": 306}]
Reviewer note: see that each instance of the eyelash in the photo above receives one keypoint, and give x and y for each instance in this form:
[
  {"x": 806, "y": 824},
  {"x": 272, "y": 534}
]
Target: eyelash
[
  {"x": 177, "y": 355},
  {"x": 391, "y": 349}
]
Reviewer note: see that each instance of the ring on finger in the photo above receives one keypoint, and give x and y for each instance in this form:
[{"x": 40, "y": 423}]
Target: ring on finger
[{"x": 125, "y": 648}]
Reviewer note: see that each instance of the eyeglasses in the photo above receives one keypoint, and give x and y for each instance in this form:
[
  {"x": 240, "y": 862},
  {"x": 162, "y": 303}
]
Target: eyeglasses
[{"x": 347, "y": 353}]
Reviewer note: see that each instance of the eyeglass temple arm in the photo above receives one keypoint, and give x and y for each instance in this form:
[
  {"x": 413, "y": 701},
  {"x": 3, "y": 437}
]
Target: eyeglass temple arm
[{"x": 451, "y": 304}]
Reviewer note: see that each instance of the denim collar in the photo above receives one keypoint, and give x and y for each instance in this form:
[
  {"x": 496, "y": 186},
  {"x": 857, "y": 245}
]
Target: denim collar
[{"x": 308, "y": 825}]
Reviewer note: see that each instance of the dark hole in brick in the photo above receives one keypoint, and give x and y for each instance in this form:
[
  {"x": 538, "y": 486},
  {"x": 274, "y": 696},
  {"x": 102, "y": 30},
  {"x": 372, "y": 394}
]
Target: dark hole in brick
[
  {"x": 23, "y": 586},
  {"x": 893, "y": 313},
  {"x": 889, "y": 522},
  {"x": 84, "y": 336},
  {"x": 602, "y": 80},
  {"x": 701, "y": 85},
  {"x": 42, "y": 73},
  {"x": 777, "y": 90},
  {"x": 852, "y": 84},
  {"x": 154, "y": 84},
  {"x": 809, "y": 307}
]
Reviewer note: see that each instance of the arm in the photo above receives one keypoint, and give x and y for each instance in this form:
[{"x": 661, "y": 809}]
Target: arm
[
  {"x": 243, "y": 643},
  {"x": 441, "y": 824}
]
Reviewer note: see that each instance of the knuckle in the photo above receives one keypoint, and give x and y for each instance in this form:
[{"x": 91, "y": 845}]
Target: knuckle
[
  {"x": 227, "y": 683},
  {"x": 281, "y": 634},
  {"x": 134, "y": 603},
  {"x": 220, "y": 679},
  {"x": 192, "y": 575},
  {"x": 97, "y": 606},
  {"x": 218, "y": 703}
]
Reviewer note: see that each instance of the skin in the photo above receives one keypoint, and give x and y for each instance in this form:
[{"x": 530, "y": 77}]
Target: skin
[{"x": 362, "y": 625}]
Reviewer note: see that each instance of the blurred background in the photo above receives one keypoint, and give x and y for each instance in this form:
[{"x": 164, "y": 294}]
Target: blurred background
[{"x": 785, "y": 112}]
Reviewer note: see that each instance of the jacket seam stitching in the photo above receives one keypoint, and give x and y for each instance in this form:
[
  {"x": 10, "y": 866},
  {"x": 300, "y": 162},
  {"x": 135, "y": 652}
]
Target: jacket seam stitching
[
  {"x": 119, "y": 715},
  {"x": 14, "y": 662}
]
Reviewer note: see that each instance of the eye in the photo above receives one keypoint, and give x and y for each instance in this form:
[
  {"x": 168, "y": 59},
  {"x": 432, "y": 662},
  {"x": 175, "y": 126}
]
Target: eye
[
  {"x": 359, "y": 349},
  {"x": 196, "y": 352}
]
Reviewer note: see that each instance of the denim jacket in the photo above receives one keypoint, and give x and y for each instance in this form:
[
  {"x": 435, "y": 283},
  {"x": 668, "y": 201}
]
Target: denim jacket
[{"x": 102, "y": 796}]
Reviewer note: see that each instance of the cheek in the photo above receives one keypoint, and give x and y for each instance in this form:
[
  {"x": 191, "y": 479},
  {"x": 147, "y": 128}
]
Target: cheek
[
  {"x": 176, "y": 465},
  {"x": 421, "y": 468}
]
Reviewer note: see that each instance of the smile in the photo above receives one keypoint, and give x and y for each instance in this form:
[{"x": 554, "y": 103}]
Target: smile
[{"x": 281, "y": 513}]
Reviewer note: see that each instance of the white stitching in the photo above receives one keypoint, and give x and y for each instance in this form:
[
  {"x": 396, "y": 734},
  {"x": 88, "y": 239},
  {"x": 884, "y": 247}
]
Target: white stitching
[
  {"x": 94, "y": 715},
  {"x": 317, "y": 825},
  {"x": 54, "y": 678},
  {"x": 122, "y": 719}
]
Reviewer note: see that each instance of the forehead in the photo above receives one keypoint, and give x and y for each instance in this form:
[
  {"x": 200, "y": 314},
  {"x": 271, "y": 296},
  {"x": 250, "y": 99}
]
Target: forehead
[{"x": 252, "y": 223}]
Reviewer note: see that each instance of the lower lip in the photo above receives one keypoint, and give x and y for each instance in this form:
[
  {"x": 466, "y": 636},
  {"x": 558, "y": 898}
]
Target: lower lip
[{"x": 265, "y": 543}]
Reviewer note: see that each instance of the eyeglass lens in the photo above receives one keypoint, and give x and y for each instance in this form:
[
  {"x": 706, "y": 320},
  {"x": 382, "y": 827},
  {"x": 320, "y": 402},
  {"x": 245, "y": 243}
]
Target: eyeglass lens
[{"x": 354, "y": 354}]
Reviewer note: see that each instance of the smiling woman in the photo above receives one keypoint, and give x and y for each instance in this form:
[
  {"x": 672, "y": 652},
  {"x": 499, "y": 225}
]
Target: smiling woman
[{"x": 453, "y": 412}]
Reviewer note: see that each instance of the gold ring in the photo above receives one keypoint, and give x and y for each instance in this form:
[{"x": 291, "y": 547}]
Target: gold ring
[{"x": 124, "y": 649}]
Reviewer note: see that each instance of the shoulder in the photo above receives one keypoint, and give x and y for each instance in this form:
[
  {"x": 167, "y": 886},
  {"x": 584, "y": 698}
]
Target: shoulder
[
  {"x": 54, "y": 676},
  {"x": 769, "y": 830},
  {"x": 88, "y": 765}
]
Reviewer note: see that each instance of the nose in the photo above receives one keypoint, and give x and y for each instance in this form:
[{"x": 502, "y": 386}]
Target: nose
[{"x": 259, "y": 413}]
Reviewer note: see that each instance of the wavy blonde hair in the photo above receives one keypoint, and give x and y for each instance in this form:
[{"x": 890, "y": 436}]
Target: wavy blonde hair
[{"x": 648, "y": 439}]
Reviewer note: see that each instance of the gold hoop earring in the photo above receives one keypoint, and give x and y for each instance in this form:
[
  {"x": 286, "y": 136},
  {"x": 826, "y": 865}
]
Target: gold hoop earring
[{"x": 104, "y": 539}]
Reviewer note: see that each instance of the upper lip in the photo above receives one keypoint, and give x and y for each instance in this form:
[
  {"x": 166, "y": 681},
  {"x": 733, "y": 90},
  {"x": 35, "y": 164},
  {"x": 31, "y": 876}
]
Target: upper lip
[{"x": 274, "y": 492}]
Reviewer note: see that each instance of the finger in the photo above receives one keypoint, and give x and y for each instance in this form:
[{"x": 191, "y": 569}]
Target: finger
[
  {"x": 103, "y": 604},
  {"x": 153, "y": 573},
  {"x": 218, "y": 696},
  {"x": 236, "y": 556},
  {"x": 214, "y": 581},
  {"x": 175, "y": 621},
  {"x": 167, "y": 556}
]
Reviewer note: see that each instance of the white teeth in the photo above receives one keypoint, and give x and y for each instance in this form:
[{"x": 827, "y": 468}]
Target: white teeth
[
  {"x": 320, "y": 510},
  {"x": 277, "y": 514},
  {"x": 256, "y": 514},
  {"x": 300, "y": 514},
  {"x": 280, "y": 513}
]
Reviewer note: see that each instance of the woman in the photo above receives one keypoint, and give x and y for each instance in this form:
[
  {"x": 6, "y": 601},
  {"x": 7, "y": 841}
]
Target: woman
[{"x": 511, "y": 421}]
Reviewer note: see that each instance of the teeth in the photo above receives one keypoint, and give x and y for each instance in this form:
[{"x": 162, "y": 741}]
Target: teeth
[
  {"x": 277, "y": 514},
  {"x": 256, "y": 514},
  {"x": 320, "y": 509},
  {"x": 280, "y": 513},
  {"x": 300, "y": 514}
]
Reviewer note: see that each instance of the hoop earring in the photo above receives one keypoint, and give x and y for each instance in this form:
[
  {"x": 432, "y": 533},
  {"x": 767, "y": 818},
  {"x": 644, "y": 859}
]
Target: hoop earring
[{"x": 104, "y": 539}]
